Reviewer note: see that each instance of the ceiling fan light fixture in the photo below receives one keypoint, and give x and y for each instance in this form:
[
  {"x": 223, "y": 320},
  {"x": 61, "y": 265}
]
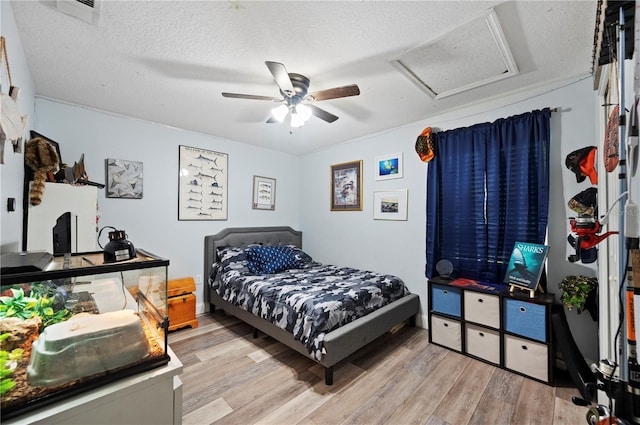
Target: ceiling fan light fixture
[
  {"x": 280, "y": 112},
  {"x": 300, "y": 114},
  {"x": 296, "y": 120},
  {"x": 294, "y": 90},
  {"x": 304, "y": 112}
]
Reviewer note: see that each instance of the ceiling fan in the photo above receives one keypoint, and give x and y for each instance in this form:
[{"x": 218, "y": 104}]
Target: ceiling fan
[{"x": 296, "y": 99}]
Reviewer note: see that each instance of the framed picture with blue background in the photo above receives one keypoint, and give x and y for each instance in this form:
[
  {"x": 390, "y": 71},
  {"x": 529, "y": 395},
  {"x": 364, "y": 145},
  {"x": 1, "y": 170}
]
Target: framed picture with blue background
[{"x": 389, "y": 167}]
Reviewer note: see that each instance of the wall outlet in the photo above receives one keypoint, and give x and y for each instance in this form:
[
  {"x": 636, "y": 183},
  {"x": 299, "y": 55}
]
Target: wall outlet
[{"x": 198, "y": 279}]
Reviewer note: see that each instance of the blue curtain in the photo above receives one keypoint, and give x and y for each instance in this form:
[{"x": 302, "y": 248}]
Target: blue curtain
[{"x": 487, "y": 187}]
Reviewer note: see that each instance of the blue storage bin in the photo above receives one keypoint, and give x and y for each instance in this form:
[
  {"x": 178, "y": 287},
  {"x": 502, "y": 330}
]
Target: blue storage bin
[
  {"x": 446, "y": 300},
  {"x": 525, "y": 319}
]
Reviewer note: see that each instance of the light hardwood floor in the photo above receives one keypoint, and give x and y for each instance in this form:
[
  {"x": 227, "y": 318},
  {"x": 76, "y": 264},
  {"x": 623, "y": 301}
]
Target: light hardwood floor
[{"x": 231, "y": 378}]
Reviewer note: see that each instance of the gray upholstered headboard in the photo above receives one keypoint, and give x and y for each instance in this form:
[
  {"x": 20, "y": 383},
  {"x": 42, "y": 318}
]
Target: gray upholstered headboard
[{"x": 238, "y": 236}]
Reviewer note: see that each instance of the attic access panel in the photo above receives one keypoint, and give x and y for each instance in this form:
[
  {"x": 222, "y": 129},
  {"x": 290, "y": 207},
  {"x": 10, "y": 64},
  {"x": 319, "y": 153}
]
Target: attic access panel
[{"x": 470, "y": 56}]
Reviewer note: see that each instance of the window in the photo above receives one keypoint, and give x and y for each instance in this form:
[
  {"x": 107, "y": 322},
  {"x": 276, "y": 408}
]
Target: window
[{"x": 487, "y": 187}]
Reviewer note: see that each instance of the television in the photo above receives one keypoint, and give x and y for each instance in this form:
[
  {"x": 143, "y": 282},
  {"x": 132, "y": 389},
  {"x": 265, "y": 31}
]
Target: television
[{"x": 62, "y": 239}]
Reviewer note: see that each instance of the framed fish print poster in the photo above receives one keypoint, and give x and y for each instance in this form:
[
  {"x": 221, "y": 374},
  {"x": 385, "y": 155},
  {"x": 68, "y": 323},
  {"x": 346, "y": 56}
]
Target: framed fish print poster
[
  {"x": 202, "y": 184},
  {"x": 264, "y": 193}
]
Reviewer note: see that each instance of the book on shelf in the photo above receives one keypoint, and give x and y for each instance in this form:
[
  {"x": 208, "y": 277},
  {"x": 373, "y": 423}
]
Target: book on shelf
[
  {"x": 476, "y": 284},
  {"x": 526, "y": 265}
]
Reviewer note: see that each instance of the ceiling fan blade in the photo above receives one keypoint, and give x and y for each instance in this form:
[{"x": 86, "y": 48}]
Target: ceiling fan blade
[
  {"x": 251, "y": 96},
  {"x": 281, "y": 76},
  {"x": 321, "y": 113},
  {"x": 334, "y": 93}
]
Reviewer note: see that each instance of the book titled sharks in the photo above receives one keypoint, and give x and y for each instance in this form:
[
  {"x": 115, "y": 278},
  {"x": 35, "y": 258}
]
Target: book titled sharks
[{"x": 526, "y": 265}]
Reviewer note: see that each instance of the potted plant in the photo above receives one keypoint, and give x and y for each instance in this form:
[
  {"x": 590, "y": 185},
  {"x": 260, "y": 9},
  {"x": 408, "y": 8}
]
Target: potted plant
[{"x": 576, "y": 290}]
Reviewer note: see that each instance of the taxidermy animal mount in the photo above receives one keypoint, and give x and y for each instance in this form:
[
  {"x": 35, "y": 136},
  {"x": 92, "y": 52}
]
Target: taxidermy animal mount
[
  {"x": 75, "y": 175},
  {"x": 42, "y": 158}
]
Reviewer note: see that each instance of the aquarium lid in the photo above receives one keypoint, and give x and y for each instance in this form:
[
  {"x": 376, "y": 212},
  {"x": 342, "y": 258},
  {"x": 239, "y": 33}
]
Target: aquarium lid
[{"x": 23, "y": 262}]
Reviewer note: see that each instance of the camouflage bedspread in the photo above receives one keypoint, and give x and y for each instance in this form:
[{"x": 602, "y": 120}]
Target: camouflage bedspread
[{"x": 308, "y": 300}]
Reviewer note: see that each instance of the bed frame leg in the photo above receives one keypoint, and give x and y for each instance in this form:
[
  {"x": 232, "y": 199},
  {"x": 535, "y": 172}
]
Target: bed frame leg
[
  {"x": 212, "y": 308},
  {"x": 255, "y": 333},
  {"x": 412, "y": 320},
  {"x": 328, "y": 375}
]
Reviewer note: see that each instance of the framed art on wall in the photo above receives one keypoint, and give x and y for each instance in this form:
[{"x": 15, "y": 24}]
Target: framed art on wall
[
  {"x": 389, "y": 167},
  {"x": 264, "y": 193},
  {"x": 202, "y": 184},
  {"x": 124, "y": 179},
  {"x": 390, "y": 205},
  {"x": 346, "y": 186}
]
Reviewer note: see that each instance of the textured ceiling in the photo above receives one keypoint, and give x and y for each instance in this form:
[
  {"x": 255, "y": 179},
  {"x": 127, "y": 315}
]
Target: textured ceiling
[{"x": 169, "y": 61}]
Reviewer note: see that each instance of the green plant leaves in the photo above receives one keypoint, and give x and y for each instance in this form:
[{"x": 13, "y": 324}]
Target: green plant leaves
[
  {"x": 18, "y": 305},
  {"x": 8, "y": 362},
  {"x": 34, "y": 305},
  {"x": 575, "y": 290}
]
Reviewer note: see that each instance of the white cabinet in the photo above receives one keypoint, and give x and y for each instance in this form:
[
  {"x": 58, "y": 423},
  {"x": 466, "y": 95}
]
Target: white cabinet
[
  {"x": 58, "y": 198},
  {"x": 148, "y": 398},
  {"x": 489, "y": 323}
]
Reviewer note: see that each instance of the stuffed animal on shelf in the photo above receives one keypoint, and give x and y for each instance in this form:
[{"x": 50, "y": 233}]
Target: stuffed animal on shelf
[{"x": 42, "y": 158}]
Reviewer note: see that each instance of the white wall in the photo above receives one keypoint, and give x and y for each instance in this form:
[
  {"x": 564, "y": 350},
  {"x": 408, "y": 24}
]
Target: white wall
[
  {"x": 346, "y": 238},
  {"x": 303, "y": 189},
  {"x": 398, "y": 247},
  {"x": 152, "y": 222},
  {"x": 12, "y": 171}
]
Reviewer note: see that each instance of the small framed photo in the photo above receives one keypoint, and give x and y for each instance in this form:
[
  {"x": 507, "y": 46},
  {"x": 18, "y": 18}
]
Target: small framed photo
[
  {"x": 389, "y": 167},
  {"x": 346, "y": 186},
  {"x": 124, "y": 179},
  {"x": 390, "y": 205},
  {"x": 264, "y": 193}
]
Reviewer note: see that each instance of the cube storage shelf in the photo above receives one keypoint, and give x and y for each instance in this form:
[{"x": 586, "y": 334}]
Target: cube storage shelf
[{"x": 507, "y": 329}]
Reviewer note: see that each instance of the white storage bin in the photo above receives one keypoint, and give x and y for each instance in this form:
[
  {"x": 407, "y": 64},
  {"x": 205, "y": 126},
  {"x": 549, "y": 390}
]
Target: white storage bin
[
  {"x": 527, "y": 357},
  {"x": 446, "y": 332},
  {"x": 483, "y": 343},
  {"x": 482, "y": 308}
]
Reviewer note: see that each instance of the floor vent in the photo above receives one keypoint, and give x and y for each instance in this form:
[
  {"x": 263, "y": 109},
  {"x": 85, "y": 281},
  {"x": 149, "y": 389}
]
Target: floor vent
[{"x": 470, "y": 56}]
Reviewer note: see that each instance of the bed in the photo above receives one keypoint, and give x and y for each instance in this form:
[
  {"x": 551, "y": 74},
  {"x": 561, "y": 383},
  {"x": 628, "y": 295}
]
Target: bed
[{"x": 336, "y": 344}]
